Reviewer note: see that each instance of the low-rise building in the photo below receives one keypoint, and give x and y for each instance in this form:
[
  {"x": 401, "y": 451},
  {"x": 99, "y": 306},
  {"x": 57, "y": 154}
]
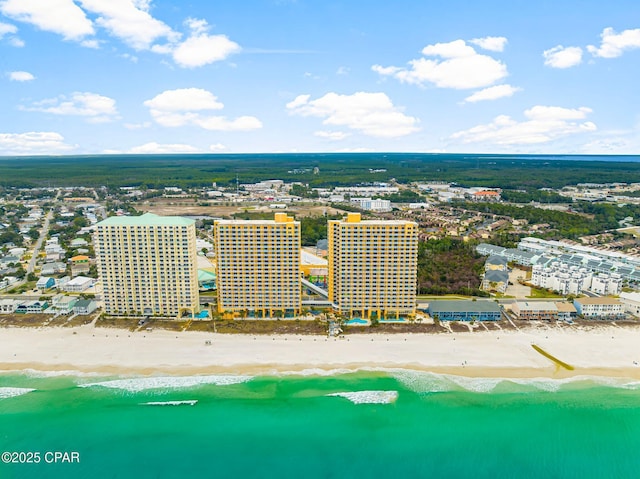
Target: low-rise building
[
  {"x": 494, "y": 262},
  {"x": 495, "y": 280},
  {"x": 535, "y": 310},
  {"x": 465, "y": 310},
  {"x": 631, "y": 303},
  {"x": 32, "y": 307},
  {"x": 566, "y": 311},
  {"x": 85, "y": 306},
  {"x": 8, "y": 306},
  {"x": 600, "y": 308},
  {"x": 63, "y": 304},
  {"x": 79, "y": 284},
  {"x": 45, "y": 282}
]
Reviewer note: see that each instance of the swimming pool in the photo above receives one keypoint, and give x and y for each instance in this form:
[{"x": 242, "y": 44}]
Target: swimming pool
[{"x": 357, "y": 322}]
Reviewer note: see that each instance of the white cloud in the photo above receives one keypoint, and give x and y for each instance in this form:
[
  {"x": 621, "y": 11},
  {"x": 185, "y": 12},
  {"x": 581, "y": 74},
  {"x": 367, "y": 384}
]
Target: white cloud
[
  {"x": 494, "y": 44},
  {"x": 217, "y": 147},
  {"x": 492, "y": 93},
  {"x": 33, "y": 143},
  {"x": 459, "y": 67},
  {"x": 332, "y": 135},
  {"x": 185, "y": 106},
  {"x": 16, "y": 42},
  {"x": 614, "y": 44},
  {"x": 21, "y": 76},
  {"x": 97, "y": 108},
  {"x": 137, "y": 126},
  {"x": 130, "y": 21},
  {"x": 372, "y": 114},
  {"x": 158, "y": 148},
  {"x": 63, "y": 17},
  {"x": 199, "y": 48},
  {"x": 543, "y": 124},
  {"x": 561, "y": 57},
  {"x": 7, "y": 28}
]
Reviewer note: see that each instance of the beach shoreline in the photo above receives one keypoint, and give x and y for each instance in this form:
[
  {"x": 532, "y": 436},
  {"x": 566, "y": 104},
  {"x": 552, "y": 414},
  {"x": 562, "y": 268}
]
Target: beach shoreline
[{"x": 606, "y": 351}]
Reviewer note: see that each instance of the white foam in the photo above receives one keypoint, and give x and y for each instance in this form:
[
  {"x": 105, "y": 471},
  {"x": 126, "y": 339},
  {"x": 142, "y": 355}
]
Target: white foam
[
  {"x": 167, "y": 382},
  {"x": 427, "y": 382},
  {"x": 187, "y": 402},
  {"x": 13, "y": 392},
  {"x": 34, "y": 373},
  {"x": 368, "y": 397}
]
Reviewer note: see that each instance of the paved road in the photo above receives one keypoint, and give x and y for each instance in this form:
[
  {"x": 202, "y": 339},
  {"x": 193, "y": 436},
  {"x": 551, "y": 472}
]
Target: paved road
[{"x": 43, "y": 234}]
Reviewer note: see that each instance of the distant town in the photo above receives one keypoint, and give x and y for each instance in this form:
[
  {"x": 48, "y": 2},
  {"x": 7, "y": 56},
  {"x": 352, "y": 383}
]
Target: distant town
[{"x": 360, "y": 255}]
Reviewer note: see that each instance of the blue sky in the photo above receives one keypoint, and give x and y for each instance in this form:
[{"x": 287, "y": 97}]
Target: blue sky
[{"x": 150, "y": 76}]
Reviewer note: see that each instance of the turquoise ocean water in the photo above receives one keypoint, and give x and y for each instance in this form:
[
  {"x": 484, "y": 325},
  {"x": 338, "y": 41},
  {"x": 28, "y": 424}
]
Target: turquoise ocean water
[{"x": 380, "y": 424}]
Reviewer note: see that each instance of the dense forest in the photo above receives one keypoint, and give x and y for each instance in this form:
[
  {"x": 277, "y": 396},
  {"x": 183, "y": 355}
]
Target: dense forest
[
  {"x": 585, "y": 218},
  {"x": 449, "y": 266},
  {"x": 527, "y": 172}
]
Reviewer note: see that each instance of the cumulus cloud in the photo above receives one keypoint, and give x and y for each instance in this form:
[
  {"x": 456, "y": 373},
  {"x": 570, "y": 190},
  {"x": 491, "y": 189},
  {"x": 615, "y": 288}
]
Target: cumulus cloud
[
  {"x": 21, "y": 76},
  {"x": 492, "y": 93},
  {"x": 188, "y": 106},
  {"x": 158, "y": 148},
  {"x": 561, "y": 57},
  {"x": 33, "y": 143},
  {"x": 494, "y": 44},
  {"x": 126, "y": 20},
  {"x": 201, "y": 48},
  {"x": 97, "y": 108},
  {"x": 372, "y": 114},
  {"x": 332, "y": 135},
  {"x": 459, "y": 66},
  {"x": 130, "y": 21},
  {"x": 614, "y": 44},
  {"x": 543, "y": 124},
  {"x": 63, "y": 17}
]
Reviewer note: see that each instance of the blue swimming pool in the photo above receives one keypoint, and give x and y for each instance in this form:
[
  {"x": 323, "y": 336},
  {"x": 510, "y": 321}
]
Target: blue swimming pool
[{"x": 357, "y": 321}]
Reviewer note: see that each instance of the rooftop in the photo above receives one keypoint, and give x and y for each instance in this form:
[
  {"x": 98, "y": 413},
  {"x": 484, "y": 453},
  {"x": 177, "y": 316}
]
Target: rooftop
[
  {"x": 601, "y": 300},
  {"x": 463, "y": 306},
  {"x": 147, "y": 219}
]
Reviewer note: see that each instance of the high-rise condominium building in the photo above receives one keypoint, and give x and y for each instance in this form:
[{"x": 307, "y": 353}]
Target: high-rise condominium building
[
  {"x": 373, "y": 267},
  {"x": 148, "y": 265},
  {"x": 258, "y": 266}
]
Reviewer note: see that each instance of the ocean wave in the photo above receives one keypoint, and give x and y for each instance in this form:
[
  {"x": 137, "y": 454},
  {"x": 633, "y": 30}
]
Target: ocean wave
[
  {"x": 186, "y": 402},
  {"x": 36, "y": 373},
  {"x": 6, "y": 393},
  {"x": 427, "y": 382},
  {"x": 368, "y": 397},
  {"x": 167, "y": 382}
]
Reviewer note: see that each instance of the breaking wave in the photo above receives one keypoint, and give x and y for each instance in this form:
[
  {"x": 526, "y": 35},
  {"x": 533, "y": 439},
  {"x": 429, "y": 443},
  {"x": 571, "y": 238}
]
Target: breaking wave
[
  {"x": 368, "y": 397},
  {"x": 168, "y": 382}
]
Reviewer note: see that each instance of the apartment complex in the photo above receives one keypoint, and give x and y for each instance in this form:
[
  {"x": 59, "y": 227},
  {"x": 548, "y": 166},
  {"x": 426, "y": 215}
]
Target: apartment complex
[
  {"x": 258, "y": 266},
  {"x": 373, "y": 267},
  {"x": 148, "y": 265}
]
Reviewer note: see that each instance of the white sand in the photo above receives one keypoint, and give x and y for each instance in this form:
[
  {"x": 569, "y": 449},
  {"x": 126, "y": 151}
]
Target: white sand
[{"x": 606, "y": 351}]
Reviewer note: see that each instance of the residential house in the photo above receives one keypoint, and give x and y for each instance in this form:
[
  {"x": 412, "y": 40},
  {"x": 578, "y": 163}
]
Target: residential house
[
  {"x": 85, "y": 306},
  {"x": 32, "y": 307},
  {"x": 79, "y": 284},
  {"x": 45, "y": 282},
  {"x": 495, "y": 280}
]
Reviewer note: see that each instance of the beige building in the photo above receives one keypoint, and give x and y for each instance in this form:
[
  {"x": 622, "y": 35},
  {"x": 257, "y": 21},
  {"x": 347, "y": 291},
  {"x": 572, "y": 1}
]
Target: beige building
[
  {"x": 258, "y": 266},
  {"x": 148, "y": 265},
  {"x": 373, "y": 267}
]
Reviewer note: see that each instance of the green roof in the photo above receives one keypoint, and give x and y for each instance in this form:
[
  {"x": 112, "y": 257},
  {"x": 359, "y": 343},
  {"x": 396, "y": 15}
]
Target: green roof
[
  {"x": 147, "y": 219},
  {"x": 462, "y": 306}
]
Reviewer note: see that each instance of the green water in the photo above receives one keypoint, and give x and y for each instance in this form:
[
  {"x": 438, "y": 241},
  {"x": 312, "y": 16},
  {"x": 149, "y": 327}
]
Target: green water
[{"x": 440, "y": 427}]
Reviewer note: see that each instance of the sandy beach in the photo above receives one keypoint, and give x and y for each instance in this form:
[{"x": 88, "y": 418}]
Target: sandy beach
[{"x": 603, "y": 351}]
